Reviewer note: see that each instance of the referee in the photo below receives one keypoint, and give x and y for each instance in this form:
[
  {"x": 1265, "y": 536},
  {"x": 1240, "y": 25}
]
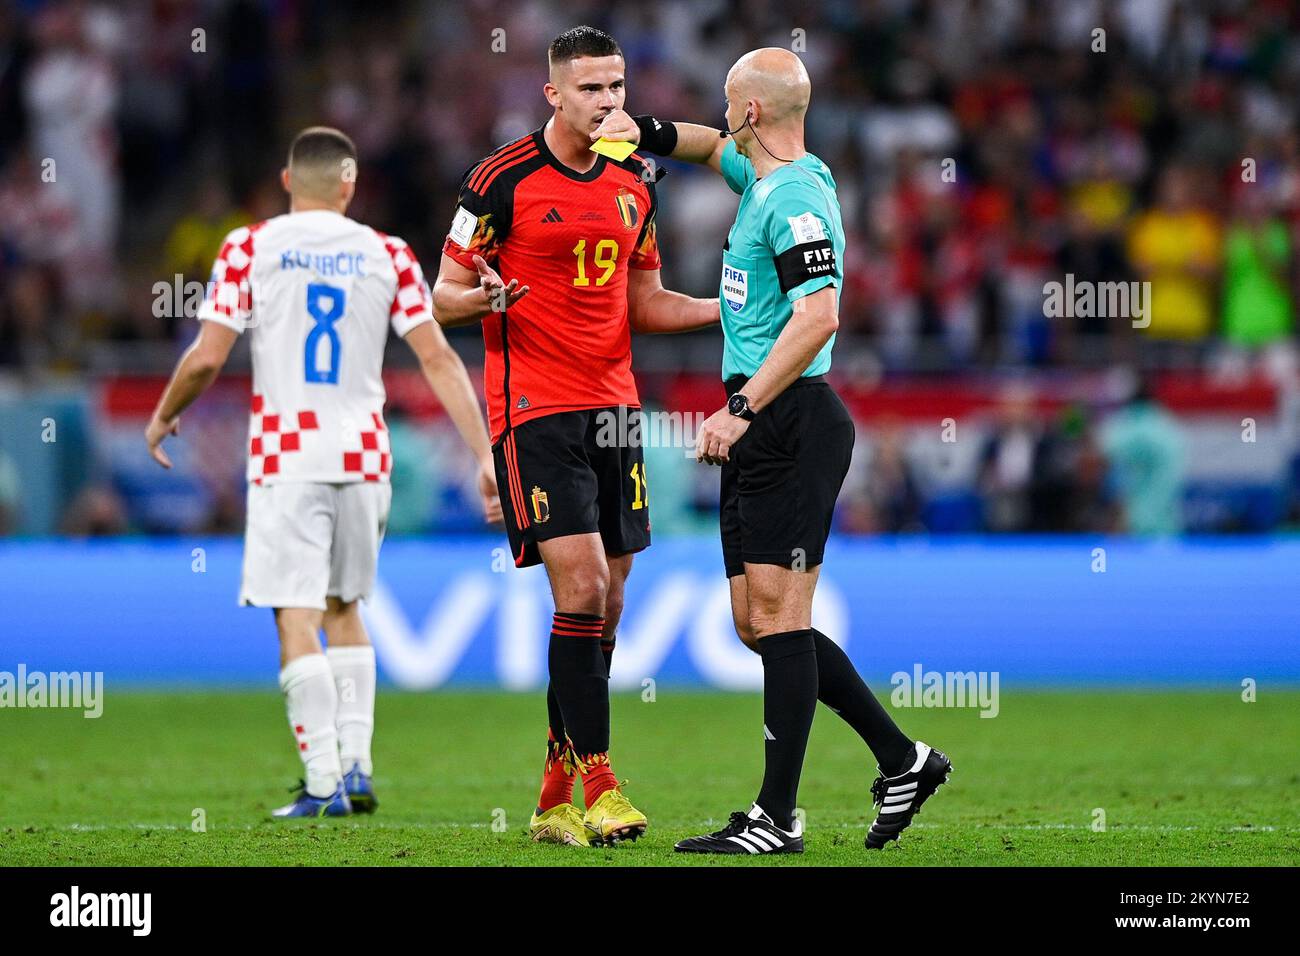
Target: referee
[{"x": 784, "y": 441}]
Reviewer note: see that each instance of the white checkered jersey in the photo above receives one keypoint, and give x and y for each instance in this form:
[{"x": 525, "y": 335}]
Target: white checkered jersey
[{"x": 317, "y": 292}]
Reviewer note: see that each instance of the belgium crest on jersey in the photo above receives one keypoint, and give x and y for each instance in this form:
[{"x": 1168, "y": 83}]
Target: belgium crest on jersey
[
  {"x": 627, "y": 210},
  {"x": 541, "y": 507}
]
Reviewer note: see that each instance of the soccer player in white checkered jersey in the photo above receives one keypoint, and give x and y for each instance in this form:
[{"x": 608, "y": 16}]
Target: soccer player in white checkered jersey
[{"x": 317, "y": 292}]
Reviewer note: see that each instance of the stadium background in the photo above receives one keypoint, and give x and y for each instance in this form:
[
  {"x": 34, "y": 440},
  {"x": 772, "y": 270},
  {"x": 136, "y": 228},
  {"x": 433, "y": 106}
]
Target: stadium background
[{"x": 1059, "y": 500}]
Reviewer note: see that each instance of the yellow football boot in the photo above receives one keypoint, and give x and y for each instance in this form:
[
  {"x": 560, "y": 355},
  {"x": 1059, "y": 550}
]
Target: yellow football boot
[
  {"x": 563, "y": 823},
  {"x": 612, "y": 819}
]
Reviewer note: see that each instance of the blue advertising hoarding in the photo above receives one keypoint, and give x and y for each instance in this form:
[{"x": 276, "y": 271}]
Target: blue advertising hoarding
[{"x": 1049, "y": 611}]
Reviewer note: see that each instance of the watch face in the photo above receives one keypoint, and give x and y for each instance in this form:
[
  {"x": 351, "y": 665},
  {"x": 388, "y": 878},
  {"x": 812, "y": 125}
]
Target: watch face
[{"x": 736, "y": 404}]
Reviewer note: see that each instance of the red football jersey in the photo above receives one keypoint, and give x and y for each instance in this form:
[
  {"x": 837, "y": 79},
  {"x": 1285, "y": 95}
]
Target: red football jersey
[{"x": 570, "y": 237}]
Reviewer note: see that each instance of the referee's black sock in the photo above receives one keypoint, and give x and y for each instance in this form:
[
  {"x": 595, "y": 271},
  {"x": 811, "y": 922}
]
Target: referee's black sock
[
  {"x": 841, "y": 689},
  {"x": 789, "y": 701},
  {"x": 580, "y": 681}
]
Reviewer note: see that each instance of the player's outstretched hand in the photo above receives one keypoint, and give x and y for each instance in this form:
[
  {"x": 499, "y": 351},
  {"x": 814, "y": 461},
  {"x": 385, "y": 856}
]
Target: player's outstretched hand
[
  {"x": 499, "y": 295},
  {"x": 154, "y": 434},
  {"x": 718, "y": 435},
  {"x": 618, "y": 127},
  {"x": 487, "y": 487}
]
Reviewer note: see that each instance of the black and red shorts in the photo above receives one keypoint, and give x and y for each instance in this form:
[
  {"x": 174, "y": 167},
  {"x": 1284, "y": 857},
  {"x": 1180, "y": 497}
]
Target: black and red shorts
[{"x": 574, "y": 473}]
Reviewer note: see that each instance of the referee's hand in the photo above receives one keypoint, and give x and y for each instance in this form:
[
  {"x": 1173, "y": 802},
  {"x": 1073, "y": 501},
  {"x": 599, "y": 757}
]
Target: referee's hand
[
  {"x": 718, "y": 435},
  {"x": 618, "y": 127}
]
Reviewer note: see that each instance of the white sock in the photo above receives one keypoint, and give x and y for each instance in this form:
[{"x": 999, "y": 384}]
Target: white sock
[
  {"x": 354, "y": 675},
  {"x": 312, "y": 703}
]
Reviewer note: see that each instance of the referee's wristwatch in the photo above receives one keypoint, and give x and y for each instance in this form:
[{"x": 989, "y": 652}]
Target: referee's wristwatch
[{"x": 738, "y": 405}]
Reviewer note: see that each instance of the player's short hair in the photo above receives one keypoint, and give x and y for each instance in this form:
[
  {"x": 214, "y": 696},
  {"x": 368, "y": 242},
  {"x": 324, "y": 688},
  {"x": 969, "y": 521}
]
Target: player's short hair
[
  {"x": 581, "y": 41},
  {"x": 320, "y": 156}
]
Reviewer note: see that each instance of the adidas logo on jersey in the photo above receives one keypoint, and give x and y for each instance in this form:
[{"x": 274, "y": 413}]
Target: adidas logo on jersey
[
  {"x": 552, "y": 216},
  {"x": 523, "y": 402}
]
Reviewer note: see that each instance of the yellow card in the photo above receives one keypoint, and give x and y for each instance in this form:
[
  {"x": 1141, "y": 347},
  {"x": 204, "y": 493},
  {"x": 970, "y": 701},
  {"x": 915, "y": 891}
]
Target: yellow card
[{"x": 617, "y": 151}]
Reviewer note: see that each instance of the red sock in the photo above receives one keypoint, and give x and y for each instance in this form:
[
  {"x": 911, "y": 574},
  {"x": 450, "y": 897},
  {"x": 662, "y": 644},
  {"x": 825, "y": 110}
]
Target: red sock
[
  {"x": 557, "y": 776},
  {"x": 597, "y": 777}
]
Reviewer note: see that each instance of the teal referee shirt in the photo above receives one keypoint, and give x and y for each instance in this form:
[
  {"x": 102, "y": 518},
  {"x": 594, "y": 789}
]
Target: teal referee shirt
[{"x": 787, "y": 242}]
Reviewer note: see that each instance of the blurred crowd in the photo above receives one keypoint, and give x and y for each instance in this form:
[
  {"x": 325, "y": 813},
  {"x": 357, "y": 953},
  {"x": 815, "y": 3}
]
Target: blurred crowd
[
  {"x": 982, "y": 148},
  {"x": 1071, "y": 473}
]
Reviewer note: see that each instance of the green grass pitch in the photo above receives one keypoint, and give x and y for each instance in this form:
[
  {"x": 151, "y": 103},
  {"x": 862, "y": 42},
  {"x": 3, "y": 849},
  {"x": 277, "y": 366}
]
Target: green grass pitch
[{"x": 1186, "y": 777}]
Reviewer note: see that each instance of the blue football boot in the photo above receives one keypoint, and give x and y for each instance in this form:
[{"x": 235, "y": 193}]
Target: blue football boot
[
  {"x": 305, "y": 805},
  {"x": 360, "y": 790}
]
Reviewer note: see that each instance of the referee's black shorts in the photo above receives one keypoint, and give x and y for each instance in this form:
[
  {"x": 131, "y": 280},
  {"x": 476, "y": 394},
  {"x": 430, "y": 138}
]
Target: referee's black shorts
[{"x": 780, "y": 486}]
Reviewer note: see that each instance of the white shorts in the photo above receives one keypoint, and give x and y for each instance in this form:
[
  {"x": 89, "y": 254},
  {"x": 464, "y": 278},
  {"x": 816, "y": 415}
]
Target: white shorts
[{"x": 307, "y": 540}]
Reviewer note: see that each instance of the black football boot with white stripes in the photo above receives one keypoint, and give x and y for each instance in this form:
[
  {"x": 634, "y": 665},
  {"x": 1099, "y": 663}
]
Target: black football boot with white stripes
[
  {"x": 752, "y": 832},
  {"x": 900, "y": 797}
]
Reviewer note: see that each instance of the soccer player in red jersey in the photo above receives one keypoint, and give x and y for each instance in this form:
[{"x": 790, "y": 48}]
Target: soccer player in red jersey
[{"x": 575, "y": 232}]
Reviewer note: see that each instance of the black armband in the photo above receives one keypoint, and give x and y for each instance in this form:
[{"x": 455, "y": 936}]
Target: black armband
[
  {"x": 808, "y": 260},
  {"x": 657, "y": 137}
]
